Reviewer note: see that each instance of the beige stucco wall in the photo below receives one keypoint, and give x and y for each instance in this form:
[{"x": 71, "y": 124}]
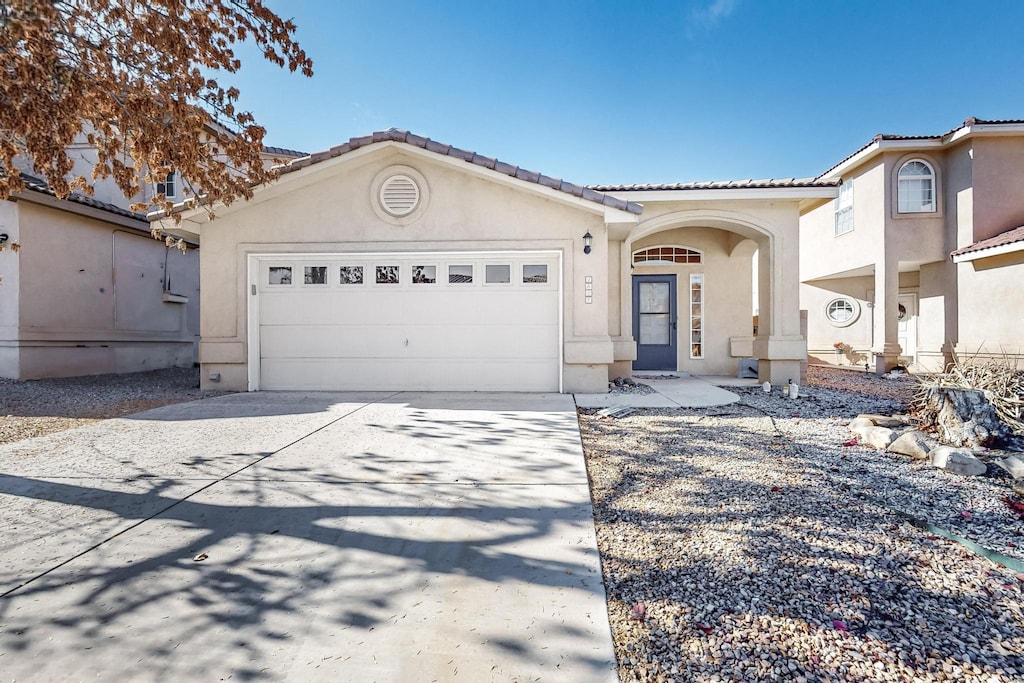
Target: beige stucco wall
[
  {"x": 822, "y": 253},
  {"x": 822, "y": 334},
  {"x": 998, "y": 174},
  {"x": 329, "y": 208},
  {"x": 10, "y": 268},
  {"x": 991, "y": 301},
  {"x": 90, "y": 298}
]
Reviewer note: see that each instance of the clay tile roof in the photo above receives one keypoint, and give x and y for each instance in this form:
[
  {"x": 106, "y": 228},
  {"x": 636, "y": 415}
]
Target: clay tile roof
[
  {"x": 767, "y": 183},
  {"x": 395, "y": 135},
  {"x": 284, "y": 151},
  {"x": 39, "y": 185},
  {"x": 1004, "y": 238},
  {"x": 970, "y": 121}
]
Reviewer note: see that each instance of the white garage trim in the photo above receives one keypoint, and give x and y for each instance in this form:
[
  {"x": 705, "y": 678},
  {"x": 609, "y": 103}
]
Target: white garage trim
[{"x": 260, "y": 264}]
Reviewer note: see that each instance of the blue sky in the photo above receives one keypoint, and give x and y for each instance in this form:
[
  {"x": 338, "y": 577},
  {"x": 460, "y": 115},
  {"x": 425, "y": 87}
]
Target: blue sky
[{"x": 638, "y": 92}]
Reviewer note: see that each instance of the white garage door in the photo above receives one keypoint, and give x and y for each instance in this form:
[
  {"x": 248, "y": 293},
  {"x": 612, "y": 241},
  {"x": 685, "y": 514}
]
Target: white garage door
[{"x": 409, "y": 322}]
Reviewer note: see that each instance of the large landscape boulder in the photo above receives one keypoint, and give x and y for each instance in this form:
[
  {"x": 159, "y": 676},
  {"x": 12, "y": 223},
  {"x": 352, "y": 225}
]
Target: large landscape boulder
[
  {"x": 1014, "y": 465},
  {"x": 890, "y": 421},
  {"x": 957, "y": 460},
  {"x": 914, "y": 444}
]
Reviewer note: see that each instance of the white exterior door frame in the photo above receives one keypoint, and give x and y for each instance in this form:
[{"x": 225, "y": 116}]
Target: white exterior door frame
[
  {"x": 253, "y": 288},
  {"x": 908, "y": 327}
]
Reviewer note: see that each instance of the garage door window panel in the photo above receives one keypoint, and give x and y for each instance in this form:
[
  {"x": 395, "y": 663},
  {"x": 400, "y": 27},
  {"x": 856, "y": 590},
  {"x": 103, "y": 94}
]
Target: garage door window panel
[
  {"x": 350, "y": 275},
  {"x": 314, "y": 275},
  {"x": 460, "y": 274},
  {"x": 535, "y": 274},
  {"x": 498, "y": 274},
  {"x": 387, "y": 275},
  {"x": 424, "y": 275},
  {"x": 279, "y": 275}
]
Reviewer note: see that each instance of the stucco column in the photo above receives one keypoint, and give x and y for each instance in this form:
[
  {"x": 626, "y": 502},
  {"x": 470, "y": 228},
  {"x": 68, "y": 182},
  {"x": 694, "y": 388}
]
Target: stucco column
[
  {"x": 620, "y": 317},
  {"x": 886, "y": 348},
  {"x": 779, "y": 345}
]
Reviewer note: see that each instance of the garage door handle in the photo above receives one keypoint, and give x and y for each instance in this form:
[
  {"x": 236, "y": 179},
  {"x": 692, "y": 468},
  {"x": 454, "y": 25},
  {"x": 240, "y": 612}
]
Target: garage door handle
[{"x": 406, "y": 342}]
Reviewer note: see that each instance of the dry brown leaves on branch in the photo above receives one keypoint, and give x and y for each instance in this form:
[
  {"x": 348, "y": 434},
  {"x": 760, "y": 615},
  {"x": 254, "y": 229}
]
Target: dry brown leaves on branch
[{"x": 135, "y": 81}]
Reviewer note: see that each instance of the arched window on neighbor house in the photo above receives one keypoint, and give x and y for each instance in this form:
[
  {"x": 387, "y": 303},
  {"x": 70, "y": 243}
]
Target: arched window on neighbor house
[{"x": 915, "y": 187}]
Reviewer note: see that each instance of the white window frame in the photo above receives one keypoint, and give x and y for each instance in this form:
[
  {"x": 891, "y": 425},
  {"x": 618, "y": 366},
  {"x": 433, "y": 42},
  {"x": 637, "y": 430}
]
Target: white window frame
[
  {"x": 844, "y": 209},
  {"x": 854, "y": 311},
  {"x": 170, "y": 182},
  {"x": 695, "y": 278},
  {"x": 903, "y": 200}
]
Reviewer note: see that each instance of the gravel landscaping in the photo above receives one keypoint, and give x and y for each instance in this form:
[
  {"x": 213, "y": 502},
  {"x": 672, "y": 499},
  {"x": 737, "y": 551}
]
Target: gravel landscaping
[
  {"x": 747, "y": 542},
  {"x": 36, "y": 407}
]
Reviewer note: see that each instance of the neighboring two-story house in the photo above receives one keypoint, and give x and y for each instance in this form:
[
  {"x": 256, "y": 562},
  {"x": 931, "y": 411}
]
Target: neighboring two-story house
[
  {"x": 90, "y": 291},
  {"x": 922, "y": 253}
]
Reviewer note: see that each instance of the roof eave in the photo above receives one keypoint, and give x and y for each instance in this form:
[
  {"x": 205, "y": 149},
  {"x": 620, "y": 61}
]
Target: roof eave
[
  {"x": 872, "y": 150},
  {"x": 44, "y": 199},
  {"x": 196, "y": 213},
  {"x": 986, "y": 253},
  {"x": 795, "y": 194}
]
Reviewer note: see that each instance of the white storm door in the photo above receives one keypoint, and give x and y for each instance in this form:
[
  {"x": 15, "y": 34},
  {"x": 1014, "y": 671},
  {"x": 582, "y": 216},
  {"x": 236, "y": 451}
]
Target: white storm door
[
  {"x": 409, "y": 322},
  {"x": 907, "y": 326}
]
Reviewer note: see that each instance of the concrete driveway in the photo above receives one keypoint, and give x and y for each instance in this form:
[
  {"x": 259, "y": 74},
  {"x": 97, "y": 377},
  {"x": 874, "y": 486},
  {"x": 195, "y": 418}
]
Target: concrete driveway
[{"x": 341, "y": 537}]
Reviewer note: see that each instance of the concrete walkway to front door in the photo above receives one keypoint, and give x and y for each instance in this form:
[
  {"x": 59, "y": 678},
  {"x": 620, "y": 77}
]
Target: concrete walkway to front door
[
  {"x": 671, "y": 390},
  {"x": 306, "y": 536}
]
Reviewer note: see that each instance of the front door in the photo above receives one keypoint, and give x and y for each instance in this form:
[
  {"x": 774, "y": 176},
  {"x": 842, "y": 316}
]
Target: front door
[{"x": 654, "y": 322}]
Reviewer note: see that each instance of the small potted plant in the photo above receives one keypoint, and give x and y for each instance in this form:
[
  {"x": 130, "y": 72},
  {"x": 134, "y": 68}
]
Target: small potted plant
[{"x": 839, "y": 347}]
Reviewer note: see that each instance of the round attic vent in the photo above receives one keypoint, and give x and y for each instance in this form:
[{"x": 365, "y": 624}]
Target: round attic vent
[{"x": 399, "y": 195}]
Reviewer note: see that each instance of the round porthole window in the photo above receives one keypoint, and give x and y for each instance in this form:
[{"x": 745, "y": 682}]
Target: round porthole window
[{"x": 842, "y": 312}]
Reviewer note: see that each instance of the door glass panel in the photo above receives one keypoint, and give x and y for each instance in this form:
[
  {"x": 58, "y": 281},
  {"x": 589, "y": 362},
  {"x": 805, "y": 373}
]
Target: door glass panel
[
  {"x": 654, "y": 297},
  {"x": 654, "y": 328}
]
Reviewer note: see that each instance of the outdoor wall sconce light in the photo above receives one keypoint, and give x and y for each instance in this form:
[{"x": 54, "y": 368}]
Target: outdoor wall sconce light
[{"x": 587, "y": 239}]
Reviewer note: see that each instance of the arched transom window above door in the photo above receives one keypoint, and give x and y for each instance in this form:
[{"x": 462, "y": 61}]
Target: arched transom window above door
[{"x": 666, "y": 255}]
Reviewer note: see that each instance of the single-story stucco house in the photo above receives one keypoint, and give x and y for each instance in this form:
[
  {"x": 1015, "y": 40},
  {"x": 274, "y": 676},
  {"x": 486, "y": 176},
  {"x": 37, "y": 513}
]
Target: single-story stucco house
[{"x": 394, "y": 262}]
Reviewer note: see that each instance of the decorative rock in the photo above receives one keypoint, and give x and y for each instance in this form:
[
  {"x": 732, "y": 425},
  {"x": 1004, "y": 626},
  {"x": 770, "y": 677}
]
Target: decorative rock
[
  {"x": 1014, "y": 465},
  {"x": 876, "y": 437},
  {"x": 915, "y": 444},
  {"x": 860, "y": 422},
  {"x": 957, "y": 460},
  {"x": 886, "y": 420}
]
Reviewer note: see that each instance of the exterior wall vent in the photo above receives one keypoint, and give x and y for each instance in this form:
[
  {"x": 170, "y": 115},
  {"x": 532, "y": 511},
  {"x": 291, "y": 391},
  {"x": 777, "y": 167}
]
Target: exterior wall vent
[{"x": 399, "y": 195}]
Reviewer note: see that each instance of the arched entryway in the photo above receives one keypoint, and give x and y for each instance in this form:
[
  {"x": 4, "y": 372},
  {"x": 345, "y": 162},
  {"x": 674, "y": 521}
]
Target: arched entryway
[{"x": 689, "y": 296}]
